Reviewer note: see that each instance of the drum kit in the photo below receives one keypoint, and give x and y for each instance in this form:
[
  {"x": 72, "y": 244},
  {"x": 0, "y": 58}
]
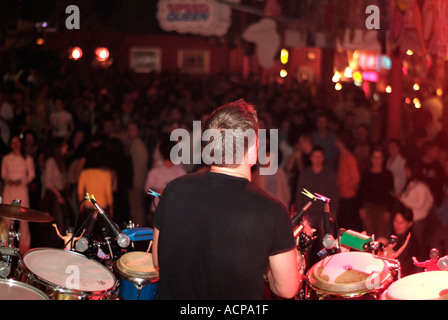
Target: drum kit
[
  {"x": 60, "y": 274},
  {"x": 361, "y": 271}
]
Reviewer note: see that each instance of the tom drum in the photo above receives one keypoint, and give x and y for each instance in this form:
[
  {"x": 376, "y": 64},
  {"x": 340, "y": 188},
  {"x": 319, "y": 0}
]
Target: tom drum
[{"x": 67, "y": 275}]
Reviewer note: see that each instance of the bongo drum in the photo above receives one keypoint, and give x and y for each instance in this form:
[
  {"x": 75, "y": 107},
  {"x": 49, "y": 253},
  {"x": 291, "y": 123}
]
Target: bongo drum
[
  {"x": 138, "y": 279},
  {"x": 430, "y": 285}
]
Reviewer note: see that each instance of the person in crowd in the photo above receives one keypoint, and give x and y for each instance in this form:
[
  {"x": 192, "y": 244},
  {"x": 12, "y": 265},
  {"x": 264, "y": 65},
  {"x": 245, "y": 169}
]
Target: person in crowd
[
  {"x": 33, "y": 149},
  {"x": 159, "y": 176},
  {"x": 325, "y": 138},
  {"x": 362, "y": 148},
  {"x": 376, "y": 195},
  {"x": 429, "y": 169},
  {"x": 439, "y": 235},
  {"x": 56, "y": 200},
  {"x": 17, "y": 171},
  {"x": 406, "y": 245},
  {"x": 216, "y": 233},
  {"x": 348, "y": 178},
  {"x": 320, "y": 179},
  {"x": 96, "y": 180},
  {"x": 396, "y": 164},
  {"x": 297, "y": 161},
  {"x": 140, "y": 157},
  {"x": 60, "y": 121},
  {"x": 418, "y": 197},
  {"x": 275, "y": 184}
]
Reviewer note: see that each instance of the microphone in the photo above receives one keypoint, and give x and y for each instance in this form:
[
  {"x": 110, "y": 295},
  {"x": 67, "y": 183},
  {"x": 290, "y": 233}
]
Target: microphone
[
  {"x": 328, "y": 240},
  {"x": 83, "y": 243},
  {"x": 122, "y": 239},
  {"x": 298, "y": 216}
]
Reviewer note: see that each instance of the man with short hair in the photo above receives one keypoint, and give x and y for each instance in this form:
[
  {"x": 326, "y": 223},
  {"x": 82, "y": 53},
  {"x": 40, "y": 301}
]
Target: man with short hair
[{"x": 216, "y": 233}]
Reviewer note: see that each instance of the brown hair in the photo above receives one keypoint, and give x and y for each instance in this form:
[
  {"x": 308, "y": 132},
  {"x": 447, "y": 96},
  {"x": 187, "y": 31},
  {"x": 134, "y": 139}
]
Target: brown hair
[{"x": 234, "y": 120}]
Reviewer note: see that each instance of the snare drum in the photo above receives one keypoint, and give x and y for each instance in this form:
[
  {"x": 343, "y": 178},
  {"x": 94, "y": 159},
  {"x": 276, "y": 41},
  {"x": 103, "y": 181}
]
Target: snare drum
[
  {"x": 138, "y": 277},
  {"x": 430, "y": 285},
  {"x": 14, "y": 290},
  {"x": 67, "y": 275},
  {"x": 348, "y": 275}
]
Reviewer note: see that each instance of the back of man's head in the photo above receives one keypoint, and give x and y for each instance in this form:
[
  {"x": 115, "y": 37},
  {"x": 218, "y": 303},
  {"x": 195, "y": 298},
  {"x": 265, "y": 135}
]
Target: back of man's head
[{"x": 236, "y": 122}]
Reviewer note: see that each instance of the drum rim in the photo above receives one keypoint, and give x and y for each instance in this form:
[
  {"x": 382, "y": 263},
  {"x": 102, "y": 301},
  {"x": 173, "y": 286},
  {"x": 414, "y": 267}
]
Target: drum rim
[
  {"x": 26, "y": 286},
  {"x": 136, "y": 277},
  {"x": 60, "y": 288}
]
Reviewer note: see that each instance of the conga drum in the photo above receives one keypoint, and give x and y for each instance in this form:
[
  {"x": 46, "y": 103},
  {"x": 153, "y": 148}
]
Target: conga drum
[
  {"x": 348, "y": 275},
  {"x": 430, "y": 285},
  {"x": 138, "y": 279}
]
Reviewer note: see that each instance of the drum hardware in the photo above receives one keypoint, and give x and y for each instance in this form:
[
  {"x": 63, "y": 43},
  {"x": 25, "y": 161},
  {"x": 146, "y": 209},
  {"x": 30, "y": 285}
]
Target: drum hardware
[
  {"x": 121, "y": 238},
  {"x": 16, "y": 212},
  {"x": 394, "y": 266},
  {"x": 9, "y": 253}
]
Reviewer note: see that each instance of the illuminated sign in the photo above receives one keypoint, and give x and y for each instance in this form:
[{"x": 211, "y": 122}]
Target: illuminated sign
[{"x": 203, "y": 17}]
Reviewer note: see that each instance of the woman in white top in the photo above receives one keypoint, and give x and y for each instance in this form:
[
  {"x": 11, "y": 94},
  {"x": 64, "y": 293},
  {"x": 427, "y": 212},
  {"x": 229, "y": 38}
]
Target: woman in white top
[
  {"x": 17, "y": 172},
  {"x": 418, "y": 197}
]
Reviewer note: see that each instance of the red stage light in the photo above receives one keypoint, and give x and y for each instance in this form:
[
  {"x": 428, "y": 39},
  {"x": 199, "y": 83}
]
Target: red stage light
[
  {"x": 102, "y": 54},
  {"x": 76, "y": 53}
]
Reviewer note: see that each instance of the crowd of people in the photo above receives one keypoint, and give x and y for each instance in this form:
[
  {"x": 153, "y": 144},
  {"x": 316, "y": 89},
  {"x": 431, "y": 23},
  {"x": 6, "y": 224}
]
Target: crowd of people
[{"x": 107, "y": 134}]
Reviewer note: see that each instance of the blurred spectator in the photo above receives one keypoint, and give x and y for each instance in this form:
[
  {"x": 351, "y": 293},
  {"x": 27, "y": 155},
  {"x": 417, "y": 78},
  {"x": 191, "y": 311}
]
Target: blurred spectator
[
  {"x": 61, "y": 123},
  {"x": 402, "y": 225},
  {"x": 140, "y": 157},
  {"x": 362, "y": 147},
  {"x": 56, "y": 200},
  {"x": 325, "y": 138},
  {"x": 97, "y": 180},
  {"x": 348, "y": 178},
  {"x": 17, "y": 171},
  {"x": 418, "y": 197},
  {"x": 275, "y": 184},
  {"x": 159, "y": 176},
  {"x": 396, "y": 165},
  {"x": 321, "y": 179},
  {"x": 375, "y": 195},
  {"x": 428, "y": 168}
]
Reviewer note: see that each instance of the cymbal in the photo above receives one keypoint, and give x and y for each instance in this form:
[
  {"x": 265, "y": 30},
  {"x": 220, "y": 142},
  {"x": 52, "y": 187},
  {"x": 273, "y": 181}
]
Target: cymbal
[{"x": 24, "y": 214}]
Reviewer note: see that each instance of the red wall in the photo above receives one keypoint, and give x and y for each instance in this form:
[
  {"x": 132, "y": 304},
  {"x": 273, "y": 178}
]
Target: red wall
[{"x": 119, "y": 46}]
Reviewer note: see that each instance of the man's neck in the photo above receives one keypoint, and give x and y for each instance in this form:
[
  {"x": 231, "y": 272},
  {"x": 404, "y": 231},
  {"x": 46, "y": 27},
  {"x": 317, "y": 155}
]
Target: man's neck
[{"x": 242, "y": 171}]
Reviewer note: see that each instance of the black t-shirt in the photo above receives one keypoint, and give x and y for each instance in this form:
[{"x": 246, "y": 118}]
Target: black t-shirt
[
  {"x": 376, "y": 188},
  {"x": 216, "y": 235}
]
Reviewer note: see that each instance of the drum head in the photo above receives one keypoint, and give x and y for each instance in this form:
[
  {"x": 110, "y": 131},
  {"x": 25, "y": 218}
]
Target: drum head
[
  {"x": 348, "y": 273},
  {"x": 69, "y": 270},
  {"x": 137, "y": 264},
  {"x": 15, "y": 290},
  {"x": 430, "y": 285}
]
